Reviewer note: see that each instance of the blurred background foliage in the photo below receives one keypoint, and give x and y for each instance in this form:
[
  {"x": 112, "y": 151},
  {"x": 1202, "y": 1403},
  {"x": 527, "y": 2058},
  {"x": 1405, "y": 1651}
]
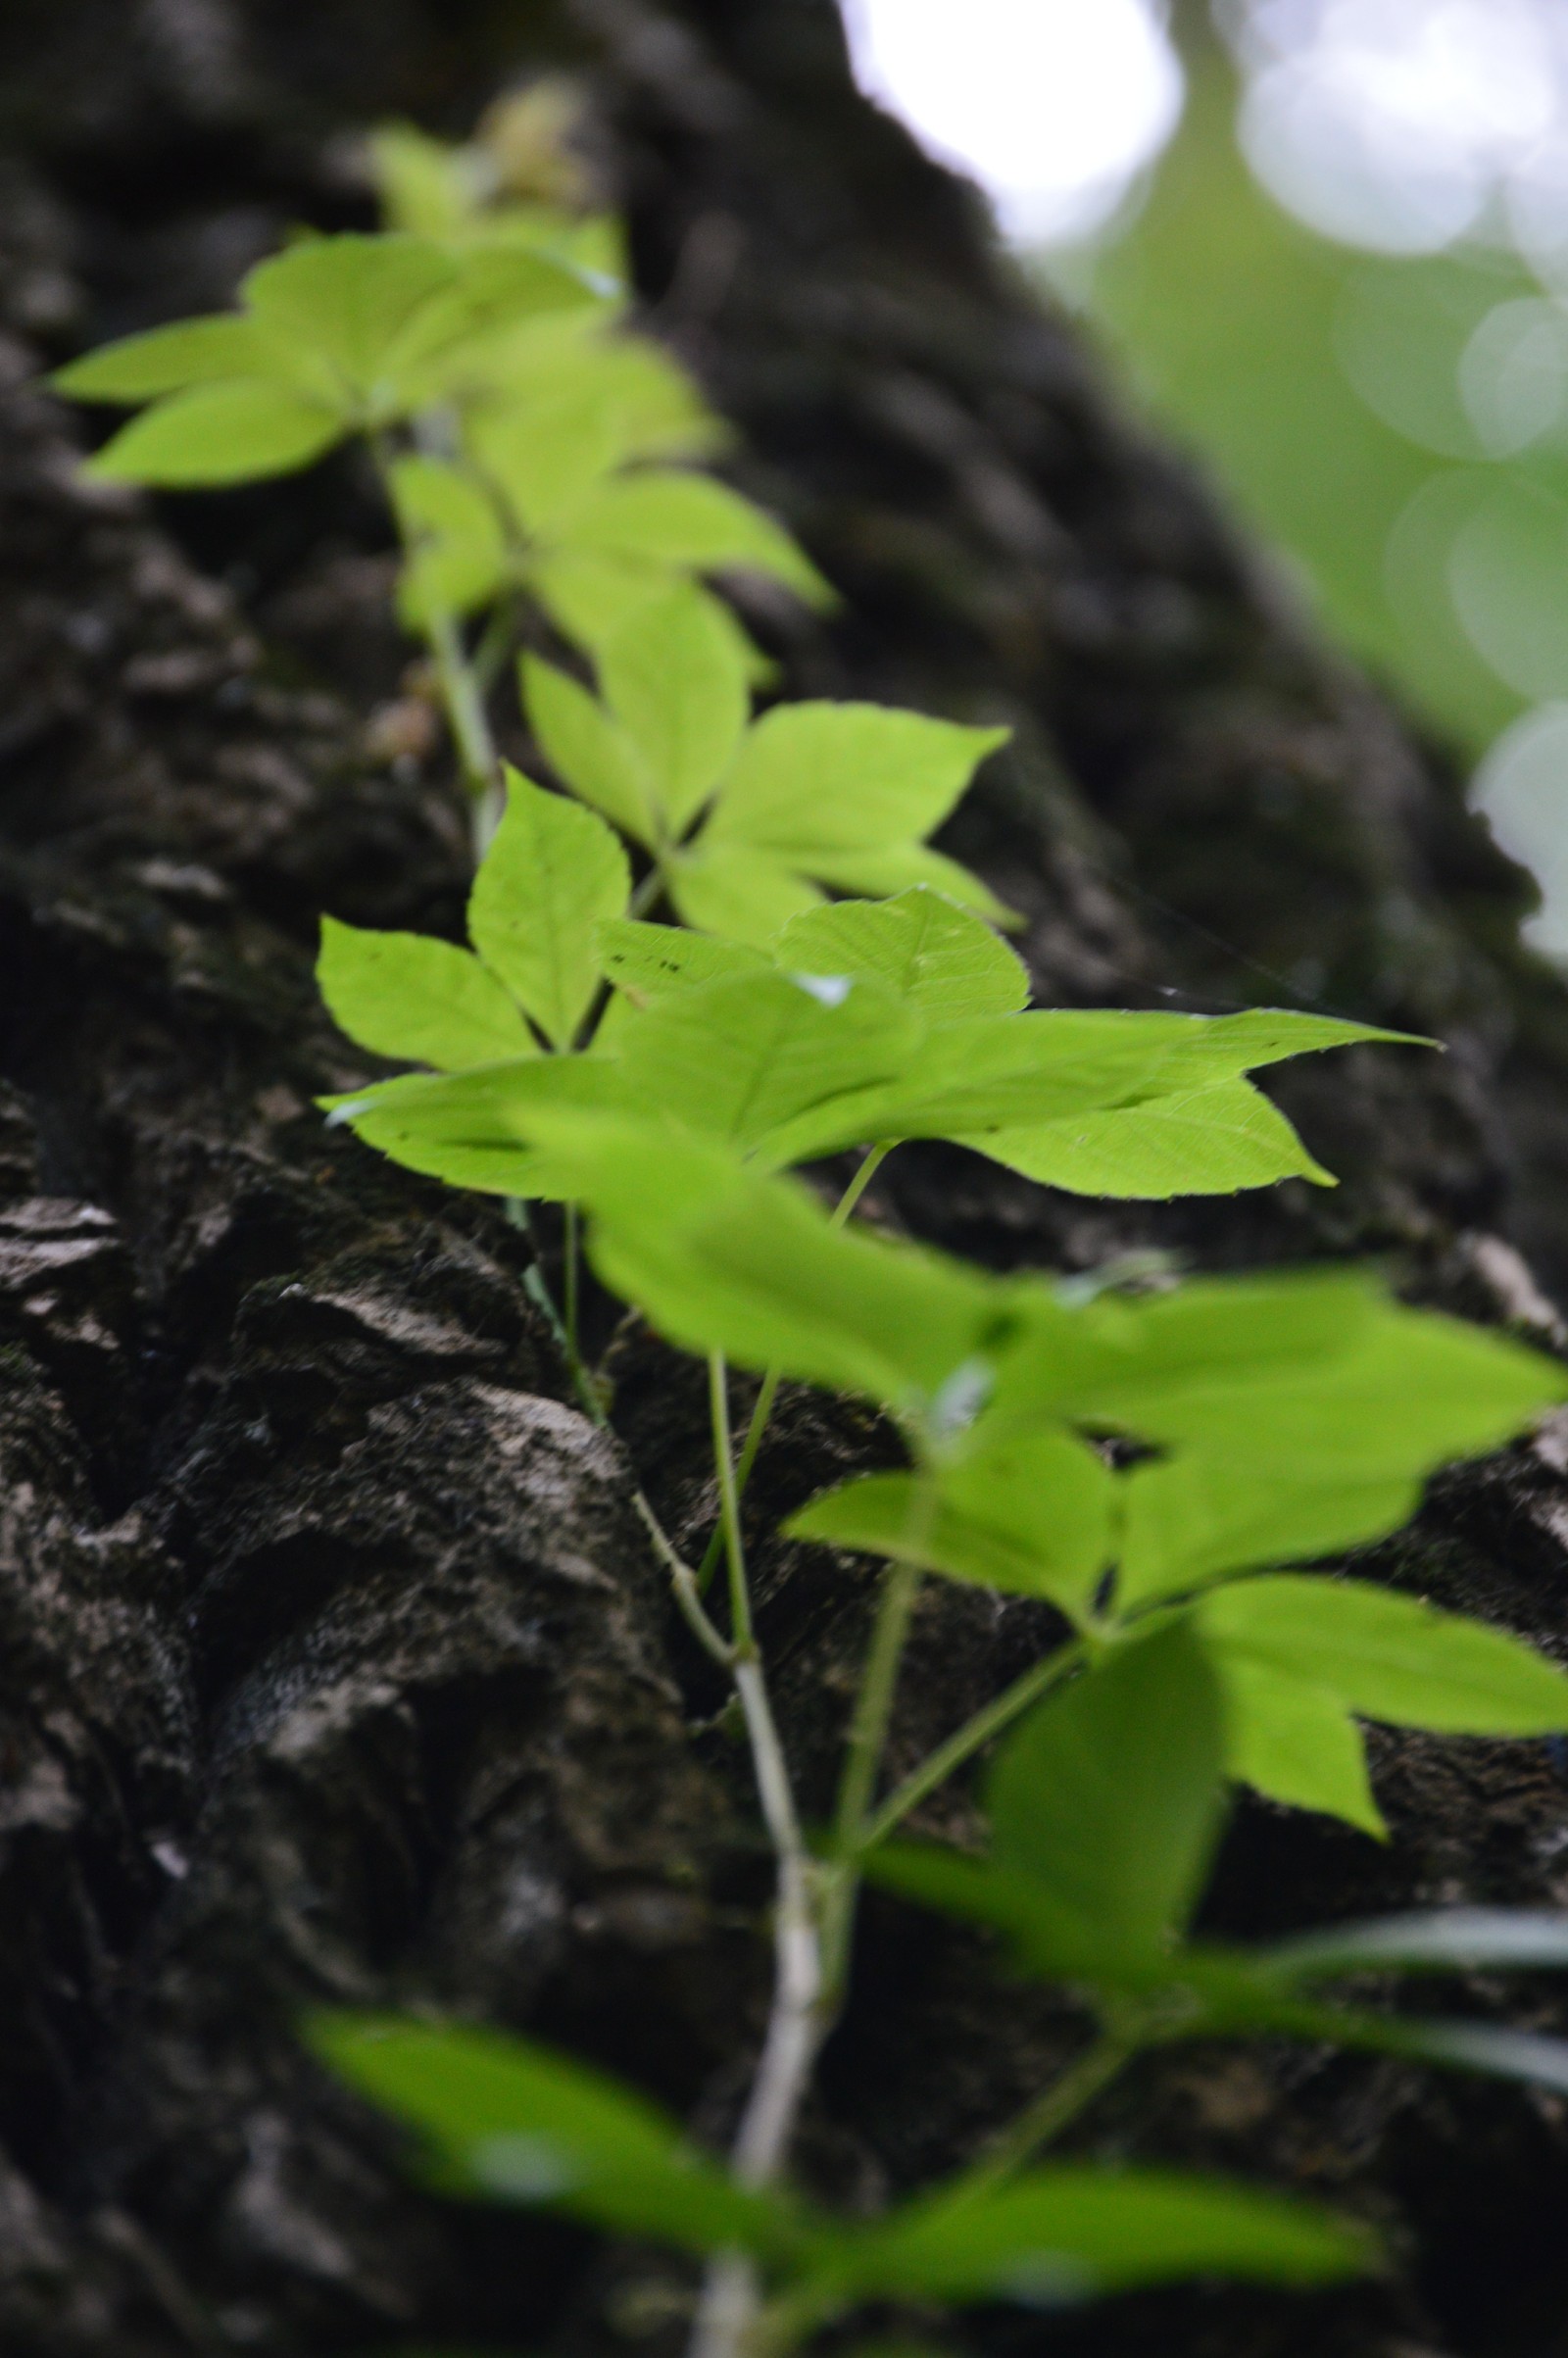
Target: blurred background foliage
[{"x": 1327, "y": 243}]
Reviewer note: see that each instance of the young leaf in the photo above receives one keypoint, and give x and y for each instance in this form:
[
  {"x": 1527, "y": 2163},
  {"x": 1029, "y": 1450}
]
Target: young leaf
[
  {"x": 168, "y": 360},
  {"x": 721, "y": 1258},
  {"x": 1110, "y": 1796},
  {"x": 587, "y": 749},
  {"x": 1198, "y": 1515},
  {"x": 817, "y": 779},
  {"x": 937, "y": 956},
  {"x": 1033, "y": 1517},
  {"x": 551, "y": 875},
  {"x": 423, "y": 185},
  {"x": 1386, "y": 1657},
  {"x": 1295, "y": 1743},
  {"x": 407, "y": 995},
  {"x": 738, "y": 895},
  {"x": 545, "y": 456},
  {"x": 1072, "y": 2231},
  {"x": 688, "y": 522},
  {"x": 232, "y": 432},
  {"x": 472, "y": 1128},
  {"x": 648, "y": 961},
  {"x": 672, "y": 679},
  {"x": 347, "y": 301},
  {"x": 1200, "y": 1142},
  {"x": 746, "y": 1055},
  {"x": 459, "y": 556},
  {"x": 505, "y": 2120}
]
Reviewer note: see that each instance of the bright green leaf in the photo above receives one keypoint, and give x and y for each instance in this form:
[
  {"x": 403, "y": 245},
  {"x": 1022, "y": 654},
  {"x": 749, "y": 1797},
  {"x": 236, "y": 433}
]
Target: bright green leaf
[
  {"x": 348, "y": 301},
  {"x": 551, "y": 875},
  {"x": 648, "y": 961},
  {"x": 233, "y": 432},
  {"x": 423, "y": 184},
  {"x": 671, "y": 677},
  {"x": 1204, "y": 1142},
  {"x": 167, "y": 359},
  {"x": 545, "y": 456},
  {"x": 823, "y": 778},
  {"x": 1295, "y": 1743},
  {"x": 587, "y": 749},
  {"x": 473, "y": 1128},
  {"x": 457, "y": 556},
  {"x": 1033, "y": 1517},
  {"x": 1386, "y": 1657},
  {"x": 740, "y": 896},
  {"x": 743, "y": 1057},
  {"x": 1111, "y": 1793},
  {"x": 690, "y": 522},
  {"x": 407, "y": 994},
  {"x": 1198, "y": 1515},
  {"x": 939, "y": 958}
]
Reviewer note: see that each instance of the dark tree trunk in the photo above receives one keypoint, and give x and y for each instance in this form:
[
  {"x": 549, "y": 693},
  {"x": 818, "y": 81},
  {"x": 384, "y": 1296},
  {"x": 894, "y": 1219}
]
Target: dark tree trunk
[{"x": 331, "y": 1663}]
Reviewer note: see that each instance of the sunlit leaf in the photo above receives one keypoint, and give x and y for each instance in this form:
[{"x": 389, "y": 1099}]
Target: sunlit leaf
[
  {"x": 1297, "y": 1742},
  {"x": 231, "y": 432},
  {"x": 552, "y": 872},
  {"x": 938, "y": 956},
  {"x": 458, "y": 559},
  {"x": 1200, "y": 1514},
  {"x": 648, "y": 961},
  {"x": 587, "y": 749},
  {"x": 1386, "y": 1657},
  {"x": 167, "y": 359},
  {"x": 818, "y": 778},
  {"x": 1204, "y": 1142},
  {"x": 348, "y": 300},
  {"x": 407, "y": 995},
  {"x": 738, "y": 895},
  {"x": 672, "y": 679},
  {"x": 1034, "y": 1517},
  {"x": 688, "y": 520},
  {"x": 475, "y": 1128}
]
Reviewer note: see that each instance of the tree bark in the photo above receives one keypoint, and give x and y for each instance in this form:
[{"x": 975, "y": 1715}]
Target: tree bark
[{"x": 334, "y": 1666}]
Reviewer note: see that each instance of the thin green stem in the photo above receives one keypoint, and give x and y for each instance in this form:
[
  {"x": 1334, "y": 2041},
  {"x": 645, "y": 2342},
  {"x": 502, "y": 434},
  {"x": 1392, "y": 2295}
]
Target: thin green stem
[
  {"x": 647, "y": 892},
  {"x": 762, "y": 1415},
  {"x": 965, "y": 1741},
  {"x": 730, "y": 1504},
  {"x": 1055, "y": 2109}
]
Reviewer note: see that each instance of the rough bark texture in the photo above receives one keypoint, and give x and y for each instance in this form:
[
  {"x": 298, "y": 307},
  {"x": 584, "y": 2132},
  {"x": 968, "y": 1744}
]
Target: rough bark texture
[{"x": 331, "y": 1662}]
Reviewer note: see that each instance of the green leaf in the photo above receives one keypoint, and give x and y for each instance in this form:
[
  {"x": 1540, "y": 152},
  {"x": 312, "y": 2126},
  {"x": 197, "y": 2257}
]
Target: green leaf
[
  {"x": 423, "y": 185},
  {"x": 1198, "y": 1515},
  {"x": 551, "y": 875},
  {"x": 743, "y": 1057},
  {"x": 588, "y": 751},
  {"x": 907, "y": 867},
  {"x": 721, "y": 1258},
  {"x": 690, "y": 522},
  {"x": 937, "y": 956},
  {"x": 407, "y": 995},
  {"x": 348, "y": 301},
  {"x": 1410, "y": 1389},
  {"x": 1442, "y": 1941},
  {"x": 545, "y": 456},
  {"x": 1033, "y": 1517},
  {"x": 1070, "y": 2232},
  {"x": 458, "y": 556},
  {"x": 817, "y": 779},
  {"x": 739, "y": 895},
  {"x": 167, "y": 359},
  {"x": 503, "y": 2119},
  {"x": 648, "y": 961},
  {"x": 1386, "y": 1657},
  {"x": 1218, "y": 1047},
  {"x": 672, "y": 678},
  {"x": 1204, "y": 1142},
  {"x": 233, "y": 432},
  {"x": 473, "y": 1128},
  {"x": 1111, "y": 1793},
  {"x": 1297, "y": 1742}
]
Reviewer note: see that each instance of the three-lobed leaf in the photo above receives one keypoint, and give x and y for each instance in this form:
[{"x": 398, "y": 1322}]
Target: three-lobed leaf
[{"x": 553, "y": 873}]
